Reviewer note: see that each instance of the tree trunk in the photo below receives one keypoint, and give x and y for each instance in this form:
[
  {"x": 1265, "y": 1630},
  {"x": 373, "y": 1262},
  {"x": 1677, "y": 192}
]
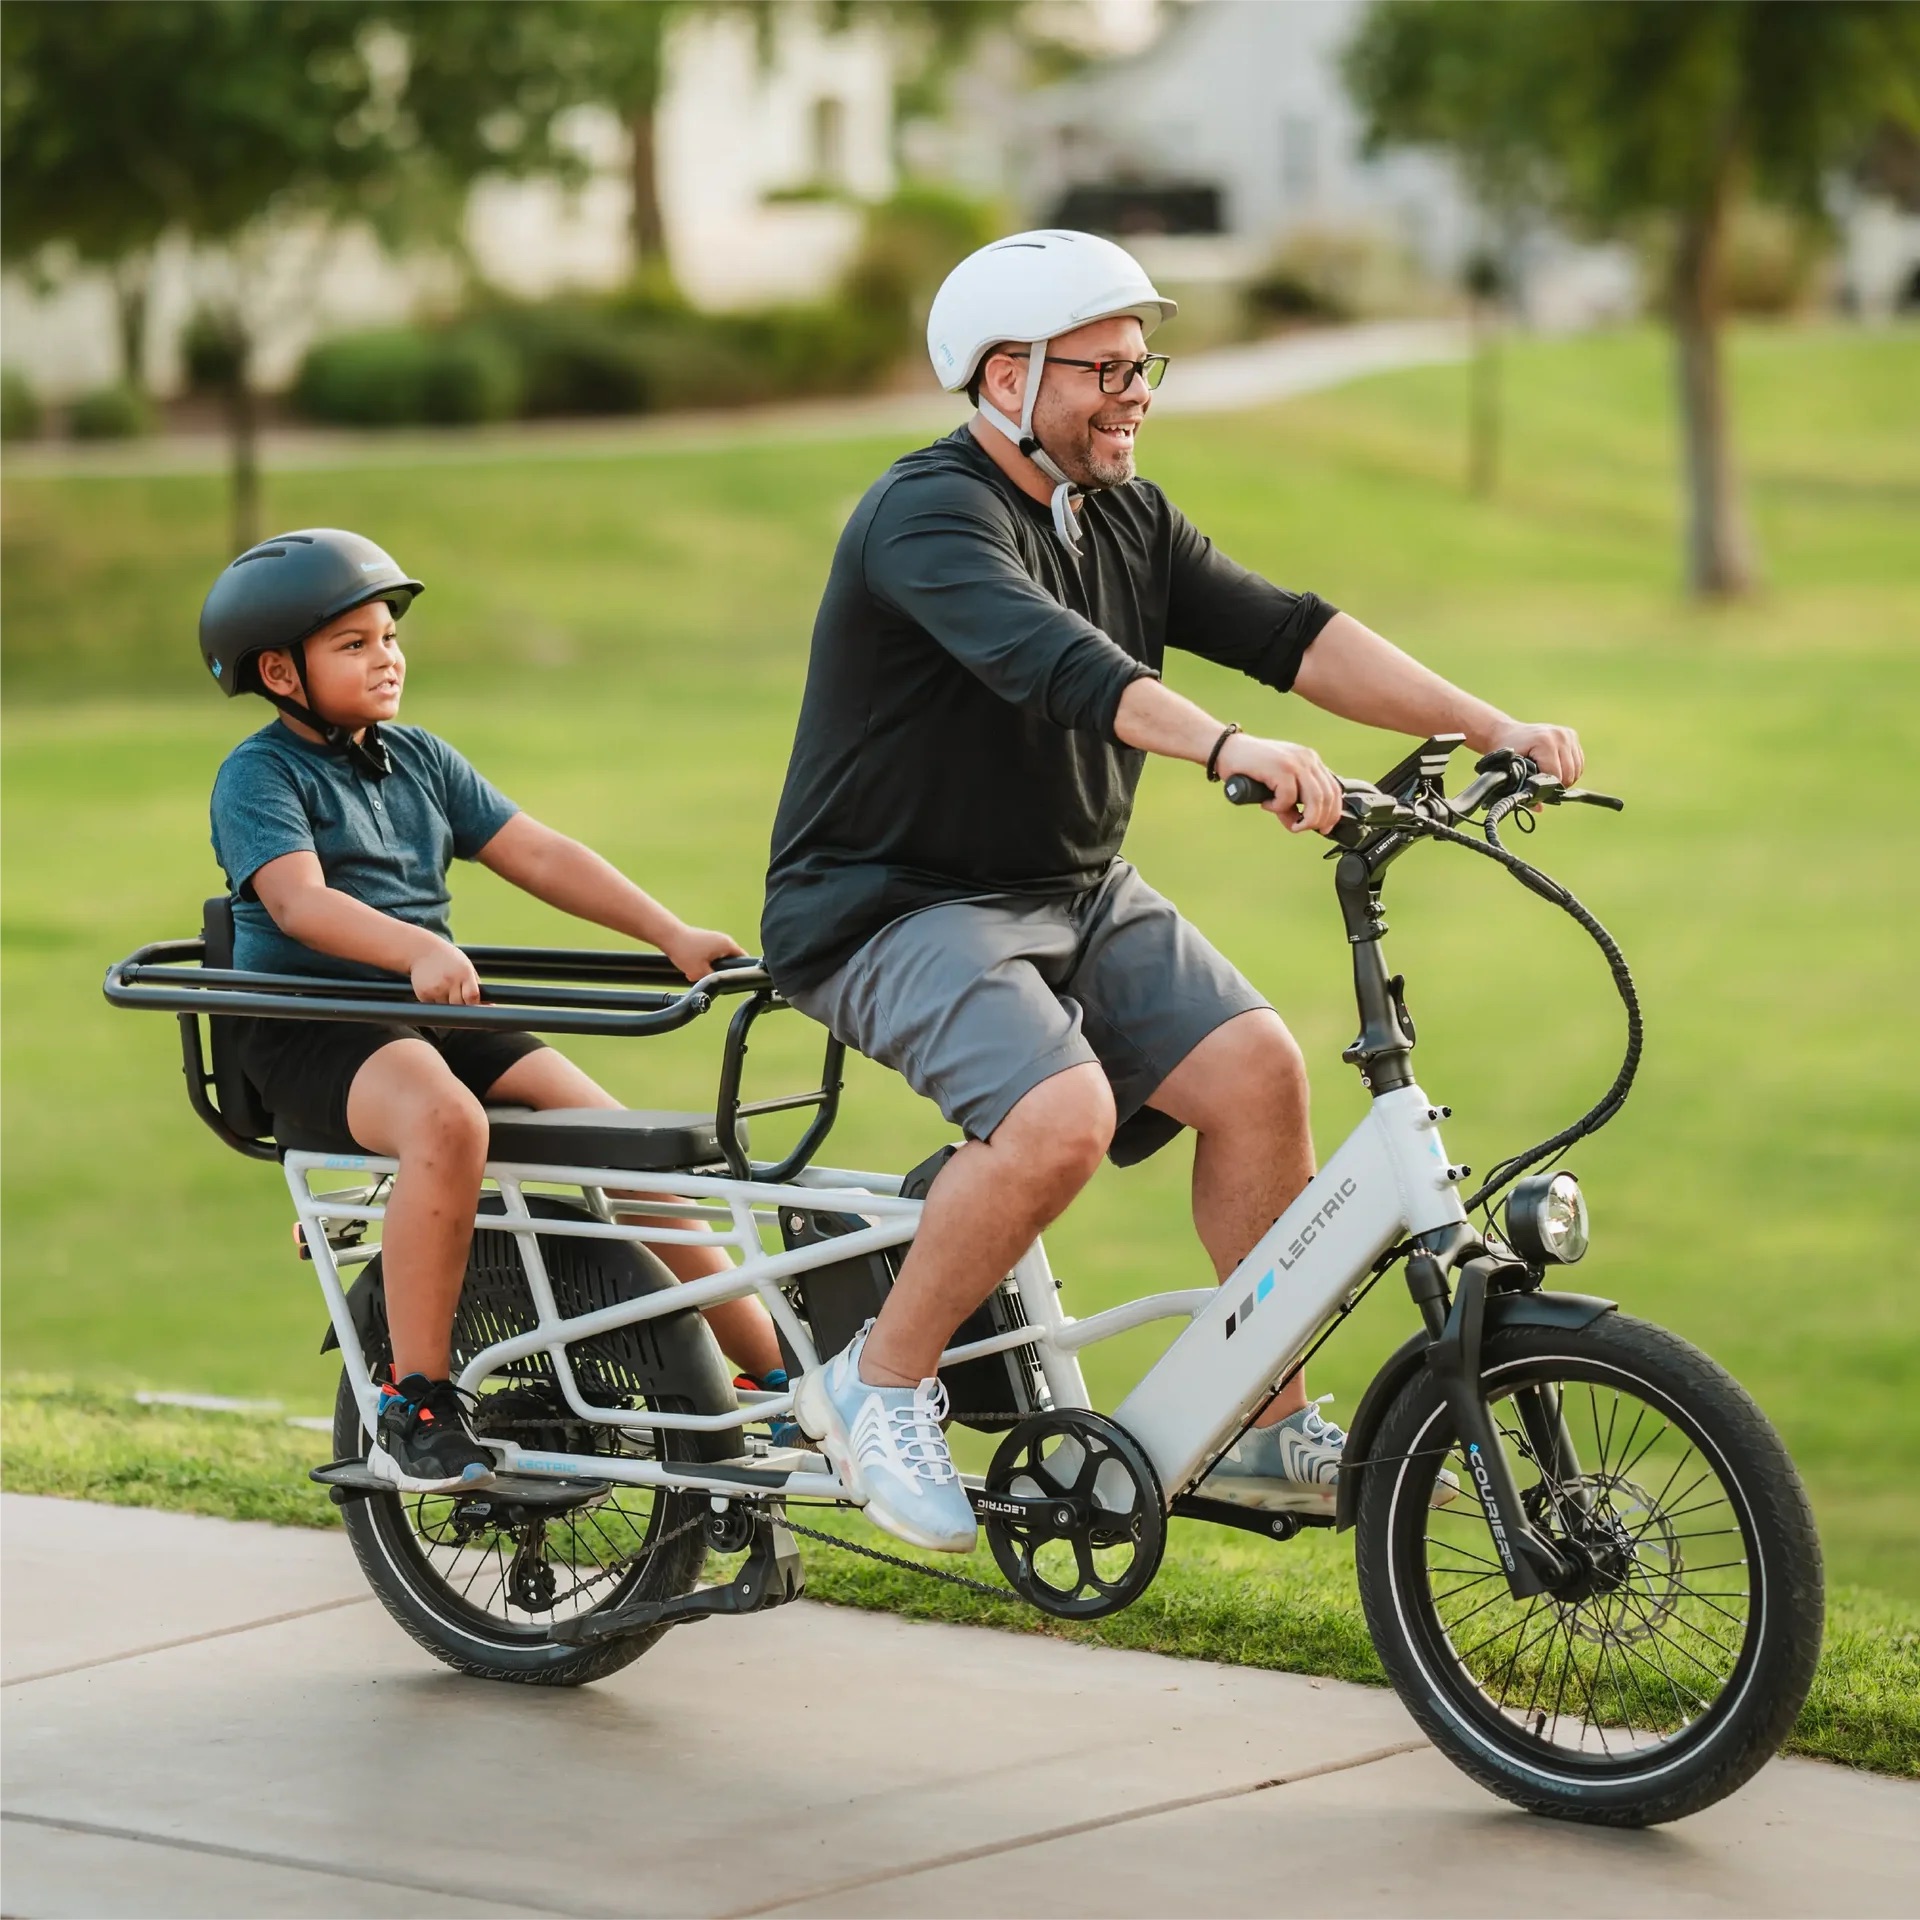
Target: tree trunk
[
  {"x": 130, "y": 283},
  {"x": 1719, "y": 550},
  {"x": 1483, "y": 428},
  {"x": 650, "y": 260},
  {"x": 243, "y": 427}
]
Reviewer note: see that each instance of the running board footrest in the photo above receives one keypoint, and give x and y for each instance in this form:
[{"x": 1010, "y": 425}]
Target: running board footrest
[
  {"x": 354, "y": 1480},
  {"x": 1272, "y": 1523}
]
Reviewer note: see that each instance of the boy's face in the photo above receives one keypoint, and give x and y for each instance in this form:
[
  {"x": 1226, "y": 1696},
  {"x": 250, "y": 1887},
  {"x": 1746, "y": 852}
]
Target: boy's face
[{"x": 355, "y": 668}]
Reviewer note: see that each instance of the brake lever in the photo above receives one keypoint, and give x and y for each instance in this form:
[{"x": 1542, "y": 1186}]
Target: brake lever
[{"x": 1556, "y": 795}]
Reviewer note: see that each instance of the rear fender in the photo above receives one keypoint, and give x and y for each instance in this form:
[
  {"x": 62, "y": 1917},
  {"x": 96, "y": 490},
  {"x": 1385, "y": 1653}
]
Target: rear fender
[{"x": 1568, "y": 1310}]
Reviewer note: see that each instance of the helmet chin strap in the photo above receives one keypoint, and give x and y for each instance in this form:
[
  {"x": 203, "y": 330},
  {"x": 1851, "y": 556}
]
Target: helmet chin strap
[
  {"x": 368, "y": 754},
  {"x": 1066, "y": 492}
]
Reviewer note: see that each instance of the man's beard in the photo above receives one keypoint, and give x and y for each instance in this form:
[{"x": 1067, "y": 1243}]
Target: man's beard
[
  {"x": 1106, "y": 470},
  {"x": 1090, "y": 467}
]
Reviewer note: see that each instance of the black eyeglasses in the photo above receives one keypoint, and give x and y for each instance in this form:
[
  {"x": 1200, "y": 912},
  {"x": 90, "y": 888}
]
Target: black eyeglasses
[{"x": 1116, "y": 376}]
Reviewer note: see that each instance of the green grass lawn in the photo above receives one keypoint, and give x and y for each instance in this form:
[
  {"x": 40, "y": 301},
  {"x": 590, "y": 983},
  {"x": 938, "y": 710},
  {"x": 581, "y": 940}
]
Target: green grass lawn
[{"x": 620, "y": 643}]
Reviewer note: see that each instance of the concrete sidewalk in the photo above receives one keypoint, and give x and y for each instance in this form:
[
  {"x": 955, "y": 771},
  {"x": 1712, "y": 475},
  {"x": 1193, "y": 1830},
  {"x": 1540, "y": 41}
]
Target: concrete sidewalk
[
  {"x": 1217, "y": 382},
  {"x": 210, "y": 1719}
]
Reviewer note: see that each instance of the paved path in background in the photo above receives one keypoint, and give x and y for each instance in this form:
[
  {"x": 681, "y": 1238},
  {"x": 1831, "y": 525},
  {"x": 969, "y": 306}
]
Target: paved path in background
[
  {"x": 207, "y": 1719},
  {"x": 1215, "y": 382}
]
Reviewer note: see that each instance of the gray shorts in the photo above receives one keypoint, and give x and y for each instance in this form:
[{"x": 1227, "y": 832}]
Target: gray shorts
[{"x": 977, "y": 1001}]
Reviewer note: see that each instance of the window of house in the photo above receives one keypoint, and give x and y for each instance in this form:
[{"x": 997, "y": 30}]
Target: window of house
[
  {"x": 1299, "y": 156},
  {"x": 827, "y": 134}
]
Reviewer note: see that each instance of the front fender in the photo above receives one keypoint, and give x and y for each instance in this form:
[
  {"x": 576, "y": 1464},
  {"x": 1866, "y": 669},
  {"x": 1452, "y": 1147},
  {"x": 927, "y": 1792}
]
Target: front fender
[{"x": 1407, "y": 1359}]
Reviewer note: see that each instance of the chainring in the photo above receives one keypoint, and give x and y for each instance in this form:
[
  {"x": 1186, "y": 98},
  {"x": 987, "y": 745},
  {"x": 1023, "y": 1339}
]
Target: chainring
[{"x": 1095, "y": 1542}]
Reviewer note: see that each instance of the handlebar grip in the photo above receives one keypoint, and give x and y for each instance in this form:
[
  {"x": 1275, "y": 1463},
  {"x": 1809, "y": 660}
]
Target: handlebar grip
[
  {"x": 1243, "y": 790},
  {"x": 728, "y": 961}
]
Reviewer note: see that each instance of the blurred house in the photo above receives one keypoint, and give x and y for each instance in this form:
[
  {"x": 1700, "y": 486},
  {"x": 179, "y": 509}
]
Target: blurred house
[
  {"x": 762, "y": 155},
  {"x": 1231, "y": 135}
]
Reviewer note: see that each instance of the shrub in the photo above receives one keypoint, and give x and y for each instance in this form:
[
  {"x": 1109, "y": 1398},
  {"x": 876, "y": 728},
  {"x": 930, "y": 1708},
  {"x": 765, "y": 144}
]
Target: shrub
[
  {"x": 110, "y": 413},
  {"x": 1773, "y": 262},
  {"x": 371, "y": 379},
  {"x": 20, "y": 410},
  {"x": 1326, "y": 274},
  {"x": 399, "y": 376},
  {"x": 573, "y": 359},
  {"x": 471, "y": 376}
]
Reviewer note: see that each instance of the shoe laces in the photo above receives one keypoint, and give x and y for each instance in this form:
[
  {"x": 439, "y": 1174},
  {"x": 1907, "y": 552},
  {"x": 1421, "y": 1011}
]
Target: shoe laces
[
  {"x": 1317, "y": 1428},
  {"x": 918, "y": 1443},
  {"x": 442, "y": 1405}
]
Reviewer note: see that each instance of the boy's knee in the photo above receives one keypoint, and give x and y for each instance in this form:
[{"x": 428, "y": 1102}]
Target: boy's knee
[{"x": 450, "y": 1125}]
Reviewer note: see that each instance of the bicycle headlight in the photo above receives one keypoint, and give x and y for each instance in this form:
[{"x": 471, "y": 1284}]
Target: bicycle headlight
[{"x": 1547, "y": 1219}]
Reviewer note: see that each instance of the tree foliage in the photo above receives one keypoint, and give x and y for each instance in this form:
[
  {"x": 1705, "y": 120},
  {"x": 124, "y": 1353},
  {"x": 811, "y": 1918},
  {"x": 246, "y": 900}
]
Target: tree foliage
[{"x": 1613, "y": 117}]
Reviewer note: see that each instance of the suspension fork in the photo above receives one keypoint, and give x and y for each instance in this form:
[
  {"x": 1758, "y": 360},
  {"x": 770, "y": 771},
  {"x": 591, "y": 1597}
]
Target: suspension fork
[{"x": 1531, "y": 1564}]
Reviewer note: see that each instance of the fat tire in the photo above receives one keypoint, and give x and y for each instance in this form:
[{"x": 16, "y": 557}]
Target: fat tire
[{"x": 1784, "y": 1559}]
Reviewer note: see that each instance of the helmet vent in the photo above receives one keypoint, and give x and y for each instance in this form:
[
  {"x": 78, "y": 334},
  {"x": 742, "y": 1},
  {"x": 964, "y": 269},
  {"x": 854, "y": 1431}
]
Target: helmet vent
[{"x": 262, "y": 553}]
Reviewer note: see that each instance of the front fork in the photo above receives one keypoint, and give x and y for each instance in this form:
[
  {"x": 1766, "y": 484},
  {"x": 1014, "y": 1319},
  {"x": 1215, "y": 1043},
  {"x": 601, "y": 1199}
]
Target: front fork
[{"x": 1531, "y": 1563}]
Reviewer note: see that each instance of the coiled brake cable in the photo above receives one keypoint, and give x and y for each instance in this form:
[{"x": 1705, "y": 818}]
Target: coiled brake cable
[{"x": 1615, "y": 1096}]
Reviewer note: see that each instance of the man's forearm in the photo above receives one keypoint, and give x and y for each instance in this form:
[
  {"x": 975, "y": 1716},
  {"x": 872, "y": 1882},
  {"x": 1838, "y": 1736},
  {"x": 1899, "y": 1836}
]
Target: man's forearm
[
  {"x": 1352, "y": 672},
  {"x": 1153, "y": 717}
]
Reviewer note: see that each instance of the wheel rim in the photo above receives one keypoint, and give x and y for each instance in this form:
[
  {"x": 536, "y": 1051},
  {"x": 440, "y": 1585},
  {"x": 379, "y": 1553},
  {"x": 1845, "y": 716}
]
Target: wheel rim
[
  {"x": 509, "y": 1576},
  {"x": 1643, "y": 1654}
]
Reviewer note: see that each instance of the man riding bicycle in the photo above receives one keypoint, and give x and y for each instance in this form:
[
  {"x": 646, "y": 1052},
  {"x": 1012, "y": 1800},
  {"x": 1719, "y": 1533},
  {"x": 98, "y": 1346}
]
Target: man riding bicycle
[{"x": 946, "y": 892}]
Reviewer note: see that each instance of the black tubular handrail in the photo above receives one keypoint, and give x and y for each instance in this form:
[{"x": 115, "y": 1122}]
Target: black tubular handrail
[
  {"x": 170, "y": 976},
  {"x": 166, "y": 976}
]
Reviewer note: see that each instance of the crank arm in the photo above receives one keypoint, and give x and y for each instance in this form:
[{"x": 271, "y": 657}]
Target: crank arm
[
  {"x": 1531, "y": 1565},
  {"x": 1056, "y": 1513},
  {"x": 771, "y": 1576}
]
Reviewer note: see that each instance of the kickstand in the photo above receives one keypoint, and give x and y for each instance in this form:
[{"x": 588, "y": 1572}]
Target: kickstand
[{"x": 770, "y": 1576}]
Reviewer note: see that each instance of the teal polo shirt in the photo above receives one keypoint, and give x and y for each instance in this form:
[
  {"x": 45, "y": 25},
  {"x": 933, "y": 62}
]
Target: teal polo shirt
[{"x": 388, "y": 843}]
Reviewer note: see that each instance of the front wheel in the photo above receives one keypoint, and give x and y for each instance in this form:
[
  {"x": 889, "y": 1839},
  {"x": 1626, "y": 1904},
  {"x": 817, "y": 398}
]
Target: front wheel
[{"x": 1672, "y": 1662}]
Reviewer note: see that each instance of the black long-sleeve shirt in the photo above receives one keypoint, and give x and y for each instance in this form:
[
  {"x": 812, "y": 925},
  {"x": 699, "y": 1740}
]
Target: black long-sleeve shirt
[{"x": 956, "y": 735}]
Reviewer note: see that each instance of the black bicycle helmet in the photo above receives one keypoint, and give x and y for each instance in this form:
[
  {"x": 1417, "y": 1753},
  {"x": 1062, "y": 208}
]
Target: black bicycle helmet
[{"x": 284, "y": 590}]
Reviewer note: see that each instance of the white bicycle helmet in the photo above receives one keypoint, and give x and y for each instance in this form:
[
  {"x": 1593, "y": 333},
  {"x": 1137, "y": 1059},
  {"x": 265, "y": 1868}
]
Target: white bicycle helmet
[{"x": 1031, "y": 287}]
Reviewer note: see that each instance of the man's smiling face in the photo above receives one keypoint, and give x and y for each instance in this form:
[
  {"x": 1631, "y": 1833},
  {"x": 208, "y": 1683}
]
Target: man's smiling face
[{"x": 1090, "y": 433}]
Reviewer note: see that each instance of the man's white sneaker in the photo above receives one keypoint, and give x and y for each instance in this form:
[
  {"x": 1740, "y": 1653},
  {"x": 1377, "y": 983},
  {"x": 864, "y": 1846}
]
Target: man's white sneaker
[
  {"x": 886, "y": 1445},
  {"x": 1292, "y": 1466}
]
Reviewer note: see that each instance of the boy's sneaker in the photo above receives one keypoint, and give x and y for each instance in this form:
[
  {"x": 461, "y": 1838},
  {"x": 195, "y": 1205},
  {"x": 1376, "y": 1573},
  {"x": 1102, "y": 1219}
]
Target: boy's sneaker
[
  {"x": 886, "y": 1445},
  {"x": 423, "y": 1441},
  {"x": 782, "y": 1429}
]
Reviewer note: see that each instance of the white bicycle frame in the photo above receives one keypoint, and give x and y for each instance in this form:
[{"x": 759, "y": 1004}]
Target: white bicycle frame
[{"x": 1389, "y": 1179}]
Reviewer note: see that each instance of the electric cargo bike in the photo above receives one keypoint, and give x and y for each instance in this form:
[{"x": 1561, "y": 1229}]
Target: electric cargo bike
[{"x": 1586, "y": 1560}]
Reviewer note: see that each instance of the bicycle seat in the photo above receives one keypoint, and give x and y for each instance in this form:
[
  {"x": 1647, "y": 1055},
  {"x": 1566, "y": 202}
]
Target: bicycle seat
[{"x": 632, "y": 1139}]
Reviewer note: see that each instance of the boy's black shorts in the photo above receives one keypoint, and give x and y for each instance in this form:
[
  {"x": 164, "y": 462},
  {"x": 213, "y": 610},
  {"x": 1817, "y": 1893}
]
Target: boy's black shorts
[{"x": 302, "y": 1069}]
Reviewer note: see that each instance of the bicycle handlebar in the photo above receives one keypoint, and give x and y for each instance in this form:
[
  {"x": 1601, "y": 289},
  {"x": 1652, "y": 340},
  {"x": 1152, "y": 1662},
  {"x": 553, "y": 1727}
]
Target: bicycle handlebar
[{"x": 1365, "y": 807}]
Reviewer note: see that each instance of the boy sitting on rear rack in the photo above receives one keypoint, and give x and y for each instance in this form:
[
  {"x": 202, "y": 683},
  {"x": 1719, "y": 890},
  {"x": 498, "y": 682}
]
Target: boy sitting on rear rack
[{"x": 335, "y": 828}]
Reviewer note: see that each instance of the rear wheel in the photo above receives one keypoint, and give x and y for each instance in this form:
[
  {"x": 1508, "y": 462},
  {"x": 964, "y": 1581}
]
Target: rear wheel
[
  {"x": 1672, "y": 1663},
  {"x": 479, "y": 1581}
]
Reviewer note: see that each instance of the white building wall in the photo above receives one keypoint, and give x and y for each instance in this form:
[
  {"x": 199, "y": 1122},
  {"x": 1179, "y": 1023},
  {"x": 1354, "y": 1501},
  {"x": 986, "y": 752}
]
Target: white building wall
[{"x": 733, "y": 128}]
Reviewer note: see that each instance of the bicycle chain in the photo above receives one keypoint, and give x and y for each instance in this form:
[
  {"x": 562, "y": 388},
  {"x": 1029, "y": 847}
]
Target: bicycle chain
[{"x": 992, "y": 1592}]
